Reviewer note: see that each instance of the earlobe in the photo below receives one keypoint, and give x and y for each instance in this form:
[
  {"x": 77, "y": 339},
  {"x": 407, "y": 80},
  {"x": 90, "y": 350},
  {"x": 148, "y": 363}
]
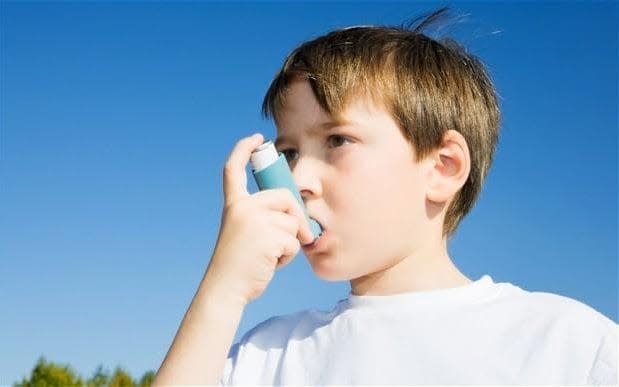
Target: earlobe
[{"x": 449, "y": 168}]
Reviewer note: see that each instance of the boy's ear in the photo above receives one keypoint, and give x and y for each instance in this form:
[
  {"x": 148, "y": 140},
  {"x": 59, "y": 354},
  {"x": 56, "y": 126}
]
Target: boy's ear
[{"x": 449, "y": 168}]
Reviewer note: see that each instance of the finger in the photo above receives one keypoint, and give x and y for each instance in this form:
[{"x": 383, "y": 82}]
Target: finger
[
  {"x": 281, "y": 199},
  {"x": 291, "y": 248},
  {"x": 235, "y": 177},
  {"x": 285, "y": 222}
]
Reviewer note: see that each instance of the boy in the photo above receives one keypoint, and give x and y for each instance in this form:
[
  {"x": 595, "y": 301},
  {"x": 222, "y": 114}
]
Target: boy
[{"x": 417, "y": 123}]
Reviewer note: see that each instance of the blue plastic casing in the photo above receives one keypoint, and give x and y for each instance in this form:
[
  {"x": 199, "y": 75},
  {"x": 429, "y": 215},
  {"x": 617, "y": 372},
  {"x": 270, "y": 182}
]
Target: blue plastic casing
[{"x": 278, "y": 175}]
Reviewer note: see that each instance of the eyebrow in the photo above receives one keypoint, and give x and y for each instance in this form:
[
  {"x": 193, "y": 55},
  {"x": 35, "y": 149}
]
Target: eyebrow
[{"x": 325, "y": 126}]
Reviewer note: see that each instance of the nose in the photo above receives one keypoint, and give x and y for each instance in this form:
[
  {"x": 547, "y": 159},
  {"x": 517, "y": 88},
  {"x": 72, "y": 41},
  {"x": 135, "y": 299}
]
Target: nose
[{"x": 306, "y": 174}]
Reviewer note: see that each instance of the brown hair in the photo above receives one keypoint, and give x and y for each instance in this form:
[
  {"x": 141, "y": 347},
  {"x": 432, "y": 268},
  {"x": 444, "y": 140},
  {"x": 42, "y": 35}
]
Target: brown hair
[{"x": 429, "y": 86}]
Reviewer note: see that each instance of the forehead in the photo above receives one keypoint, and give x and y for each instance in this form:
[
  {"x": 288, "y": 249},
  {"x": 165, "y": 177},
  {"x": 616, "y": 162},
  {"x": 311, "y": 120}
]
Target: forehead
[{"x": 302, "y": 114}]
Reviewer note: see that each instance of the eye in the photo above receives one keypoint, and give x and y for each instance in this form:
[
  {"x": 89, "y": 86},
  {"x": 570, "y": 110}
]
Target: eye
[
  {"x": 286, "y": 153},
  {"x": 338, "y": 137}
]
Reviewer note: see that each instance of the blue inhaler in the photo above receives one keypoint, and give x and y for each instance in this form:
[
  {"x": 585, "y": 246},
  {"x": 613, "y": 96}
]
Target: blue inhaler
[{"x": 272, "y": 171}]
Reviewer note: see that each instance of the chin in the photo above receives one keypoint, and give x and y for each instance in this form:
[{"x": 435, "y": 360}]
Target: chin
[
  {"x": 328, "y": 269},
  {"x": 330, "y": 277}
]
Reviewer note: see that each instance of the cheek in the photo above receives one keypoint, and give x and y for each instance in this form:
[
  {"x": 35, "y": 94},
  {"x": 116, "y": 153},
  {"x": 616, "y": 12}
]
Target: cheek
[
  {"x": 379, "y": 200},
  {"x": 397, "y": 203}
]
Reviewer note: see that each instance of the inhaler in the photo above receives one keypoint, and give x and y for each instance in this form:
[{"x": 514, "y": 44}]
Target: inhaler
[{"x": 272, "y": 171}]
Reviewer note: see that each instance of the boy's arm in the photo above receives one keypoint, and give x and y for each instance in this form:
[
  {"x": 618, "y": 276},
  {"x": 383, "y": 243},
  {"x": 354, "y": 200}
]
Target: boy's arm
[
  {"x": 252, "y": 243},
  {"x": 200, "y": 348}
]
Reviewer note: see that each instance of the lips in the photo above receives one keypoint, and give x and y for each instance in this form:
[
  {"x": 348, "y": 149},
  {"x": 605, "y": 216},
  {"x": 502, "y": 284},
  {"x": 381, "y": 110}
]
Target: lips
[
  {"x": 319, "y": 245},
  {"x": 318, "y": 237}
]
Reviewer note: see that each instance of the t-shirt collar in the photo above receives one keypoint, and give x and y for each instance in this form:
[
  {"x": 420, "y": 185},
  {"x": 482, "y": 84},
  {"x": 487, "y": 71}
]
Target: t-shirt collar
[{"x": 469, "y": 293}]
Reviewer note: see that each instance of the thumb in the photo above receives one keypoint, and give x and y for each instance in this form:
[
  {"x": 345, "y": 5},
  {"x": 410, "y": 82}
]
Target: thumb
[{"x": 235, "y": 177}]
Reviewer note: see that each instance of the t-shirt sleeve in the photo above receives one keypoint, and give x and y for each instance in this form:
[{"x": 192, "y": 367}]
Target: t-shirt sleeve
[
  {"x": 604, "y": 369},
  {"x": 229, "y": 366}
]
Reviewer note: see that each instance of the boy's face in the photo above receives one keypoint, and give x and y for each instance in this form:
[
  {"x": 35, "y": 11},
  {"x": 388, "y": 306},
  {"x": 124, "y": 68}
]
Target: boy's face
[{"x": 359, "y": 180}]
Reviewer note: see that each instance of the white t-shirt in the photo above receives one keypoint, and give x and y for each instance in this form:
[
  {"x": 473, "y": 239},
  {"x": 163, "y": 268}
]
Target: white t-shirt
[{"x": 480, "y": 333}]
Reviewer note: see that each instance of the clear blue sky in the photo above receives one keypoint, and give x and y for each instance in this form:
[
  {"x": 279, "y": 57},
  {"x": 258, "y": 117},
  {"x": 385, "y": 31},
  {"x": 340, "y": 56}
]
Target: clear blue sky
[{"x": 117, "y": 118}]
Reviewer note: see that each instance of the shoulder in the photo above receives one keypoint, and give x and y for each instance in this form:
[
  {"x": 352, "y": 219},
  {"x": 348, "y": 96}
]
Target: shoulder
[
  {"x": 279, "y": 329},
  {"x": 250, "y": 354},
  {"x": 256, "y": 355},
  {"x": 572, "y": 322},
  {"x": 547, "y": 305},
  {"x": 569, "y": 325},
  {"x": 274, "y": 330}
]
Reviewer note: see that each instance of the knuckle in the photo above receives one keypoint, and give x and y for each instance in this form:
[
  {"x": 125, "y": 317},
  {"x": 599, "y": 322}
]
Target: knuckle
[
  {"x": 279, "y": 250},
  {"x": 296, "y": 207}
]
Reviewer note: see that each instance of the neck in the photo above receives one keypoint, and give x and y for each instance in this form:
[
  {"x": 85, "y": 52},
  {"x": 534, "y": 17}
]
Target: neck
[{"x": 425, "y": 269}]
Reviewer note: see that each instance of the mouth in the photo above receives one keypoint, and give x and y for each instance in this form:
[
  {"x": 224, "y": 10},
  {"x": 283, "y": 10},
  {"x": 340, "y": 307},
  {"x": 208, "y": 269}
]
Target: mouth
[{"x": 318, "y": 245}]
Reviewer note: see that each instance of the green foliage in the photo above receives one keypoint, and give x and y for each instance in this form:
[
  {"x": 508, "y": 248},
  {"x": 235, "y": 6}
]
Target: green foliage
[
  {"x": 48, "y": 374},
  {"x": 100, "y": 378},
  {"x": 147, "y": 379}
]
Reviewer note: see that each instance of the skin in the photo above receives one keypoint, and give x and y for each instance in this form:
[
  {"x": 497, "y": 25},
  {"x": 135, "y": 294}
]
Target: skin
[{"x": 383, "y": 212}]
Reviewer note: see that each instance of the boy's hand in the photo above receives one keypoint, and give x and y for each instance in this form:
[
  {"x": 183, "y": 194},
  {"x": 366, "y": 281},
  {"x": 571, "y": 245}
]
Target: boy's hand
[{"x": 259, "y": 233}]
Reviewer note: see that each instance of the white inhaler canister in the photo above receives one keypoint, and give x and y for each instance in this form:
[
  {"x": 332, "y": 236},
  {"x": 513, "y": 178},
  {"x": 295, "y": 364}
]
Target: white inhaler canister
[{"x": 271, "y": 170}]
